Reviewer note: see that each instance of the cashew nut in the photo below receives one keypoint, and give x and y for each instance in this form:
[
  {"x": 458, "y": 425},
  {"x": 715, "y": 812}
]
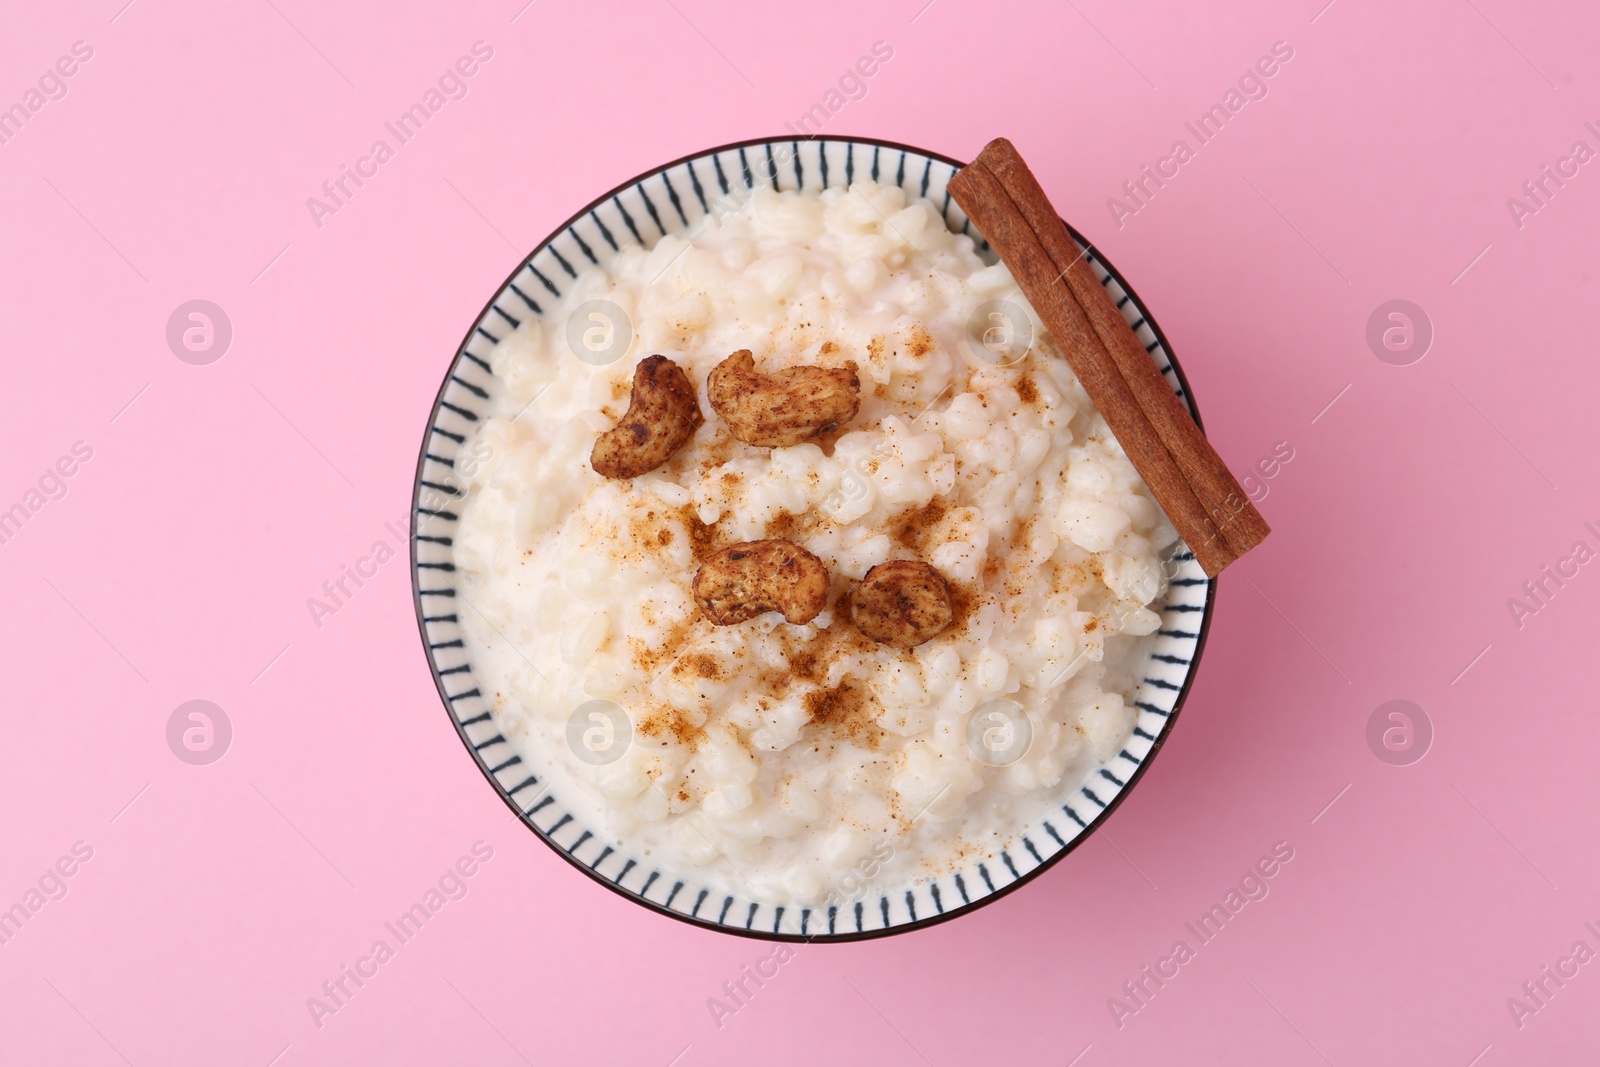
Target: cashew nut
[
  {"x": 785, "y": 408},
  {"x": 661, "y": 415},
  {"x": 744, "y": 580},
  {"x": 902, "y": 603}
]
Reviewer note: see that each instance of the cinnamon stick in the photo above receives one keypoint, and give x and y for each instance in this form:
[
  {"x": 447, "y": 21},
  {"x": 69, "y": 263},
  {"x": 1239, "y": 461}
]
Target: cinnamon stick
[
  {"x": 1242, "y": 527},
  {"x": 1205, "y": 503}
]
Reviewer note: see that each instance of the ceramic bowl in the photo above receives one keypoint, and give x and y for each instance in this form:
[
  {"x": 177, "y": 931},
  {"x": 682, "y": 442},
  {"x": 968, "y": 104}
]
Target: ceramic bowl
[{"x": 670, "y": 199}]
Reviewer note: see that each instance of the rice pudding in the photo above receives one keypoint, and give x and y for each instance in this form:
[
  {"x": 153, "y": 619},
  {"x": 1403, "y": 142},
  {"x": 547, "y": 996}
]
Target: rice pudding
[{"x": 779, "y": 759}]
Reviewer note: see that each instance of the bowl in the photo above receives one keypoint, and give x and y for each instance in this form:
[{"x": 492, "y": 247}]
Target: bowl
[{"x": 670, "y": 199}]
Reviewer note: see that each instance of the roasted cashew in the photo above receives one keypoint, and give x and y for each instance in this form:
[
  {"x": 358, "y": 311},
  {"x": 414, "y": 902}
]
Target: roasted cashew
[
  {"x": 785, "y": 408},
  {"x": 903, "y": 603},
  {"x": 747, "y": 579},
  {"x": 661, "y": 415}
]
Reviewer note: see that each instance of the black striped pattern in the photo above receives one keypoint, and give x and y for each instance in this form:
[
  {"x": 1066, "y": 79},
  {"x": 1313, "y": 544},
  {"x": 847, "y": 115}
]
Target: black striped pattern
[{"x": 668, "y": 201}]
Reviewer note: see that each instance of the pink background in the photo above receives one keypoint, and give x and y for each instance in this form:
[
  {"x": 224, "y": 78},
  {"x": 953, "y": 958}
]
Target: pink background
[{"x": 178, "y": 564}]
